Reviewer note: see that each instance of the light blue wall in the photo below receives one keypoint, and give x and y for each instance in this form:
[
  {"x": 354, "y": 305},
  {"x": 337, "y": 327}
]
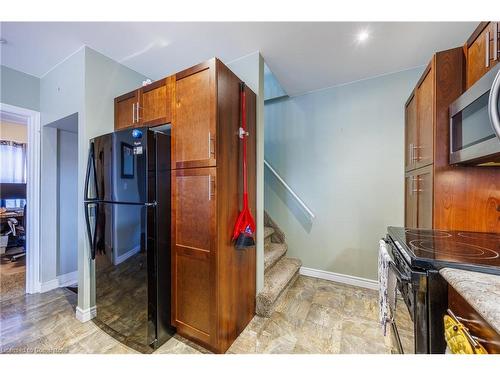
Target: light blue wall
[
  {"x": 272, "y": 87},
  {"x": 19, "y": 89},
  {"x": 341, "y": 150}
]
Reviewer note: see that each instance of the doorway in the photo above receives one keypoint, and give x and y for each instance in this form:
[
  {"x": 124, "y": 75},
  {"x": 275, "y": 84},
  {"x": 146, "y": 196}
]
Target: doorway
[{"x": 19, "y": 201}]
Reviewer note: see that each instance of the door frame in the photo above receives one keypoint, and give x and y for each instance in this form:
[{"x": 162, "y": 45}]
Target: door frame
[{"x": 32, "y": 194}]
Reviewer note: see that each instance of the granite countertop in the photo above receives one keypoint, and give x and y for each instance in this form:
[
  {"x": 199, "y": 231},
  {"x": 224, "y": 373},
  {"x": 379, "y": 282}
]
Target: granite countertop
[{"x": 481, "y": 290}]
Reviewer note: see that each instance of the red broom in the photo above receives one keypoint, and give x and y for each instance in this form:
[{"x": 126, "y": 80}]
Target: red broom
[{"x": 245, "y": 224}]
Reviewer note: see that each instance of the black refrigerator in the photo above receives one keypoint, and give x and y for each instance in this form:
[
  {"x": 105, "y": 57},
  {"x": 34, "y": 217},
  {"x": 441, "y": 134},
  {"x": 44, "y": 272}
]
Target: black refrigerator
[{"x": 127, "y": 213}]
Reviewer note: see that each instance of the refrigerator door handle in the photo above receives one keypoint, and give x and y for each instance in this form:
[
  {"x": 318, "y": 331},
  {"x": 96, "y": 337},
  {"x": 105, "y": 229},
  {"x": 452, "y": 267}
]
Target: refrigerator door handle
[
  {"x": 91, "y": 237},
  {"x": 90, "y": 168}
]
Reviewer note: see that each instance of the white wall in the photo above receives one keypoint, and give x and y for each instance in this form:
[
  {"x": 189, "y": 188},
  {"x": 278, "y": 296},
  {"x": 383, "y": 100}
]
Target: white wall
[
  {"x": 67, "y": 173},
  {"x": 250, "y": 69},
  {"x": 341, "y": 150},
  {"x": 10, "y": 131}
]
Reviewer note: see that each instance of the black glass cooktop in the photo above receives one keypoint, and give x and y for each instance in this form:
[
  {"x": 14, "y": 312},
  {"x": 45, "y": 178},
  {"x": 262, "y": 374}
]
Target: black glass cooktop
[{"x": 425, "y": 248}]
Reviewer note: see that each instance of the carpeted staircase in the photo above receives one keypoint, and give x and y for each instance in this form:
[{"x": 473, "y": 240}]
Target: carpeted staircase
[{"x": 280, "y": 271}]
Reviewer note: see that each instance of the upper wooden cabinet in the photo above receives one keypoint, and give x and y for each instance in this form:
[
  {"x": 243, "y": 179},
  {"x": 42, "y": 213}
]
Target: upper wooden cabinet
[
  {"x": 195, "y": 117},
  {"x": 150, "y": 105},
  {"x": 482, "y": 51},
  {"x": 410, "y": 132},
  {"x": 423, "y": 154},
  {"x": 156, "y": 102},
  {"x": 126, "y": 110}
]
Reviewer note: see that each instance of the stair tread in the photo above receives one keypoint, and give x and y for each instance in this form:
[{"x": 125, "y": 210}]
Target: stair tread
[
  {"x": 272, "y": 253},
  {"x": 277, "y": 278},
  {"x": 268, "y": 231}
]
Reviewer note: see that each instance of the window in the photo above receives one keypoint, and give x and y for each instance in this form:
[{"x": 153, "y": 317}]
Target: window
[{"x": 12, "y": 168}]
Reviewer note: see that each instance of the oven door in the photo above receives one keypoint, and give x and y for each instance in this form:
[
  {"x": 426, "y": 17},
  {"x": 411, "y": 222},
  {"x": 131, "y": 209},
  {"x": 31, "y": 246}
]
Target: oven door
[{"x": 475, "y": 123}]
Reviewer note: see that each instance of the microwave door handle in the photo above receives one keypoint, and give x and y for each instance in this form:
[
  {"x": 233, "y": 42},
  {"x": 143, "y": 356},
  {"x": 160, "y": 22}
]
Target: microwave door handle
[{"x": 493, "y": 104}]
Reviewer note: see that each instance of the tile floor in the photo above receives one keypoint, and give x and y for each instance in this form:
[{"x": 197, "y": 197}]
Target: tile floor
[{"x": 316, "y": 316}]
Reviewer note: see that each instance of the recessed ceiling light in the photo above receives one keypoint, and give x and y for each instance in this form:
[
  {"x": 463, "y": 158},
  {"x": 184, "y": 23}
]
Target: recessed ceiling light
[{"x": 363, "y": 36}]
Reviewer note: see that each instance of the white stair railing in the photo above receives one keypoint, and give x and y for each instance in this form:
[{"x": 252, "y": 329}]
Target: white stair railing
[{"x": 290, "y": 190}]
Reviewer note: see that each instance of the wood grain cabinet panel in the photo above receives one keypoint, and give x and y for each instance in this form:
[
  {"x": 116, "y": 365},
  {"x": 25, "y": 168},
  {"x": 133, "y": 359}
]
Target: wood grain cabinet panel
[
  {"x": 424, "y": 188},
  {"x": 425, "y": 120},
  {"x": 481, "y": 51},
  {"x": 193, "y": 238},
  {"x": 125, "y": 110},
  {"x": 156, "y": 102},
  {"x": 195, "y": 121},
  {"x": 410, "y": 201},
  {"x": 410, "y": 133}
]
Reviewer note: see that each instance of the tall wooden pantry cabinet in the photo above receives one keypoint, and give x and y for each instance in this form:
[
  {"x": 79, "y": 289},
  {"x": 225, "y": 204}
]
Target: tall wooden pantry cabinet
[{"x": 213, "y": 283}]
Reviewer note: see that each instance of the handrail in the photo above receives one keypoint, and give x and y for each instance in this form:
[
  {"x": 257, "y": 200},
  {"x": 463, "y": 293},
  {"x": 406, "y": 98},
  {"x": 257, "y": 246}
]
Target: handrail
[{"x": 287, "y": 187}]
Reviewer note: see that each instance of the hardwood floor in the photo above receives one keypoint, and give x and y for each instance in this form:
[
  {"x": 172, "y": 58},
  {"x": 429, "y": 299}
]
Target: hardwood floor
[{"x": 316, "y": 316}]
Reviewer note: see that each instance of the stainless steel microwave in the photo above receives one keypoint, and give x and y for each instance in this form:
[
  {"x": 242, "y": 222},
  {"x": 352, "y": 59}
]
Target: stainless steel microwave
[{"x": 475, "y": 123}]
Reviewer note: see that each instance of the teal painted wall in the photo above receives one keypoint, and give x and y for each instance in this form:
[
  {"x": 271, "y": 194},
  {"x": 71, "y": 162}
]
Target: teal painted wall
[
  {"x": 19, "y": 89},
  {"x": 341, "y": 150},
  {"x": 272, "y": 87}
]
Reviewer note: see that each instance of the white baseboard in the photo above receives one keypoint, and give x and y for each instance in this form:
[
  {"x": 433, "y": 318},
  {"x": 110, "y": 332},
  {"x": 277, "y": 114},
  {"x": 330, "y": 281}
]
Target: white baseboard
[
  {"x": 49, "y": 285},
  {"x": 340, "y": 278},
  {"x": 122, "y": 258},
  {"x": 86, "y": 314},
  {"x": 61, "y": 281},
  {"x": 69, "y": 278}
]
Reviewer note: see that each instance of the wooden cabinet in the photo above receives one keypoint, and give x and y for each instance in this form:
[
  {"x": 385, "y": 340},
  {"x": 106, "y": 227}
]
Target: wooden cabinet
[
  {"x": 482, "y": 51},
  {"x": 425, "y": 119},
  {"x": 125, "y": 110},
  {"x": 156, "y": 102},
  {"x": 426, "y": 134},
  {"x": 410, "y": 133},
  {"x": 477, "y": 325},
  {"x": 195, "y": 111},
  {"x": 150, "y": 105},
  {"x": 194, "y": 223},
  {"x": 213, "y": 283},
  {"x": 418, "y": 198},
  {"x": 447, "y": 197}
]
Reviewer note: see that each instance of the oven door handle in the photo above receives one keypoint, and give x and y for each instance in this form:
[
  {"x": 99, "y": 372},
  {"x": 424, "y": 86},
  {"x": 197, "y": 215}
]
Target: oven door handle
[{"x": 401, "y": 278}]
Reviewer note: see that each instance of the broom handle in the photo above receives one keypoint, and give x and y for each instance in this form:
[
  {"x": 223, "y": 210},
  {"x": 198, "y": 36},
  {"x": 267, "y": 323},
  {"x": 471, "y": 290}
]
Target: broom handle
[{"x": 244, "y": 126}]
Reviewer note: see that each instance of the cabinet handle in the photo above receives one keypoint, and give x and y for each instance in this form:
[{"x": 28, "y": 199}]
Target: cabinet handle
[
  {"x": 411, "y": 153},
  {"x": 137, "y": 112},
  {"x": 210, "y": 141},
  {"x": 211, "y": 187},
  {"x": 133, "y": 113},
  {"x": 487, "y": 48}
]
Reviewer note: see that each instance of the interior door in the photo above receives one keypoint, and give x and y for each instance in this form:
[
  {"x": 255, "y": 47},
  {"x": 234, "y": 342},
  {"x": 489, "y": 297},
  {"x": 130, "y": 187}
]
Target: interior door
[
  {"x": 423, "y": 154},
  {"x": 410, "y": 133},
  {"x": 126, "y": 110},
  {"x": 194, "y": 125},
  {"x": 194, "y": 238}
]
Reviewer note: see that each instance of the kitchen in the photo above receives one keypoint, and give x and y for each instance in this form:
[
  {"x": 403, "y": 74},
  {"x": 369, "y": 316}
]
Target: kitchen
[{"x": 197, "y": 238}]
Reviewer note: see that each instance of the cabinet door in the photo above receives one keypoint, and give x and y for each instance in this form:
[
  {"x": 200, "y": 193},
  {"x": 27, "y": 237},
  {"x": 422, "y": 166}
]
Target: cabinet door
[
  {"x": 424, "y": 189},
  {"x": 194, "y": 243},
  {"x": 410, "y": 133},
  {"x": 156, "y": 102},
  {"x": 194, "y": 125},
  {"x": 410, "y": 201},
  {"x": 480, "y": 53},
  {"x": 423, "y": 153},
  {"x": 126, "y": 110}
]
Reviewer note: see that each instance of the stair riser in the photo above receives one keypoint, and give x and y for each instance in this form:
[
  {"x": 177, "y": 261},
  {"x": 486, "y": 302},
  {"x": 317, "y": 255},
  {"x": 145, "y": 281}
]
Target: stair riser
[{"x": 265, "y": 310}]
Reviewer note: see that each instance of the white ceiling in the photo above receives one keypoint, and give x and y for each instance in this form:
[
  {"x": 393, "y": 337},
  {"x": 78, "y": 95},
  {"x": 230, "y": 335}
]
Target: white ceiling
[{"x": 304, "y": 56}]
